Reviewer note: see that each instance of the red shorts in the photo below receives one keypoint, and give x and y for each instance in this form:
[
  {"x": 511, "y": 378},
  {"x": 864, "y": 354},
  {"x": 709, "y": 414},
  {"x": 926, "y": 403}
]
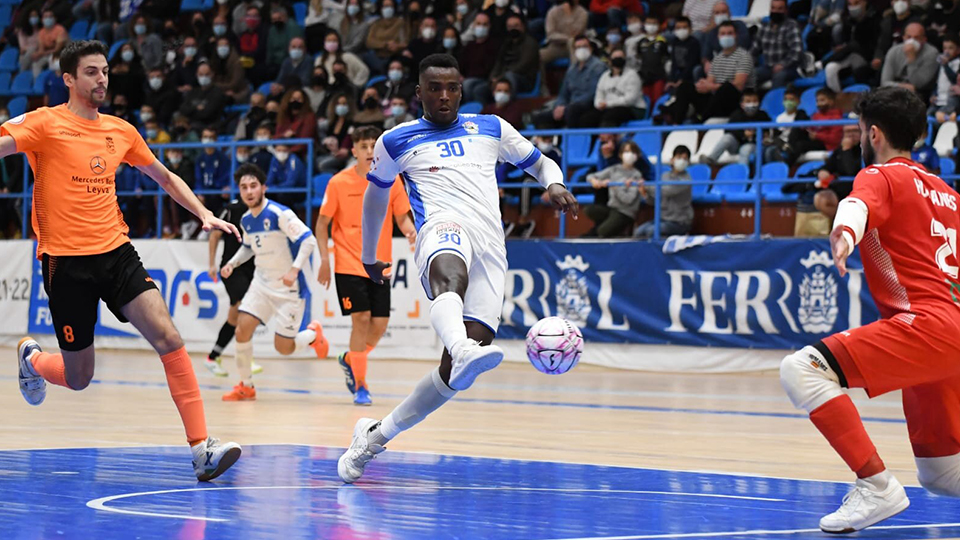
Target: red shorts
[{"x": 919, "y": 354}]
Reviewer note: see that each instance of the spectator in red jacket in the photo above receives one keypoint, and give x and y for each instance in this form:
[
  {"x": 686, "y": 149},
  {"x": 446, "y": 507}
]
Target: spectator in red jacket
[
  {"x": 829, "y": 136},
  {"x": 612, "y": 13}
]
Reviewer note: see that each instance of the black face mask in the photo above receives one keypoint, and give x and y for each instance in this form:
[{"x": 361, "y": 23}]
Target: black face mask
[
  {"x": 179, "y": 130},
  {"x": 257, "y": 111},
  {"x": 169, "y": 33},
  {"x": 319, "y": 80},
  {"x": 340, "y": 78},
  {"x": 296, "y": 105},
  {"x": 279, "y": 25},
  {"x": 514, "y": 34},
  {"x": 618, "y": 63},
  {"x": 778, "y": 18},
  {"x": 370, "y": 103},
  {"x": 272, "y": 116},
  {"x": 414, "y": 15}
]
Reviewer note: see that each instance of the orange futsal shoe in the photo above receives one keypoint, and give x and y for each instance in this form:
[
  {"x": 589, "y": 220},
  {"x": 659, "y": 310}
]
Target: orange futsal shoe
[
  {"x": 241, "y": 392},
  {"x": 320, "y": 345}
]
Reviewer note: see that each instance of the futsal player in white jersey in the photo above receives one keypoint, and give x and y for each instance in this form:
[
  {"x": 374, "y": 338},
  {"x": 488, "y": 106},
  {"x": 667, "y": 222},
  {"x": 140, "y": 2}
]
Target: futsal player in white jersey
[
  {"x": 448, "y": 163},
  {"x": 281, "y": 245}
]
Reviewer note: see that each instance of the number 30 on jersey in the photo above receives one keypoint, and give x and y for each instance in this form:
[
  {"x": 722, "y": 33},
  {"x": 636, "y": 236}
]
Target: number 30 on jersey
[{"x": 452, "y": 148}]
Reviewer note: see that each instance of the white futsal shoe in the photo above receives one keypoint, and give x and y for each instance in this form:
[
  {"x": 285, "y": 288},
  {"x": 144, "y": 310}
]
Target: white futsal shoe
[
  {"x": 32, "y": 385},
  {"x": 211, "y": 458},
  {"x": 471, "y": 360},
  {"x": 351, "y": 464},
  {"x": 865, "y": 506}
]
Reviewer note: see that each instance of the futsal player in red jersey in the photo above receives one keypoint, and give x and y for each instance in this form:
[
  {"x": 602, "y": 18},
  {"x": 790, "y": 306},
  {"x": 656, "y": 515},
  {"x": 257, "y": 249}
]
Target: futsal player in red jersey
[{"x": 905, "y": 221}]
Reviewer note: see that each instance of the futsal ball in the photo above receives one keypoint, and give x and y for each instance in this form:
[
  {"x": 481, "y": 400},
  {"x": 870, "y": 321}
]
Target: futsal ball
[{"x": 554, "y": 345}]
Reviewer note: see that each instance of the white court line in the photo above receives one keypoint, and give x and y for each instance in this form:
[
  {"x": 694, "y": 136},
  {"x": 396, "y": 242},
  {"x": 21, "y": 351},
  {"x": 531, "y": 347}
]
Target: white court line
[
  {"x": 757, "y": 532},
  {"x": 101, "y": 503}
]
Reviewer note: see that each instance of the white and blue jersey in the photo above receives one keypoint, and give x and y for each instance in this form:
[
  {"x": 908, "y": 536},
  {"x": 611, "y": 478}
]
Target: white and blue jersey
[
  {"x": 452, "y": 169},
  {"x": 275, "y": 236}
]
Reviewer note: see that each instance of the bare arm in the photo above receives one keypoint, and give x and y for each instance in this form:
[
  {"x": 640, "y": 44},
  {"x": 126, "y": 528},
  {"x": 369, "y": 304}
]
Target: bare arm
[
  {"x": 405, "y": 223},
  {"x": 212, "y": 243},
  {"x": 323, "y": 276},
  {"x": 178, "y": 189}
]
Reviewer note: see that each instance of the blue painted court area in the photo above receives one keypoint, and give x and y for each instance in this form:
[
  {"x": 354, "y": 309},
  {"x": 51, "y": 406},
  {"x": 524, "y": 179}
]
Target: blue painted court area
[{"x": 292, "y": 492}]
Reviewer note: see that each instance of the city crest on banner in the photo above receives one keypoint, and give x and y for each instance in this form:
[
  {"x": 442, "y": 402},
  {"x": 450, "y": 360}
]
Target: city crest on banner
[
  {"x": 819, "y": 305},
  {"x": 573, "y": 300}
]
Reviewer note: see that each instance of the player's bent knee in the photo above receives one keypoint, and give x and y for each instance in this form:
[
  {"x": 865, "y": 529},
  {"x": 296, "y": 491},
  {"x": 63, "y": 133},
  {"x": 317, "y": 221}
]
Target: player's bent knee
[
  {"x": 940, "y": 476},
  {"x": 284, "y": 346},
  {"x": 808, "y": 380}
]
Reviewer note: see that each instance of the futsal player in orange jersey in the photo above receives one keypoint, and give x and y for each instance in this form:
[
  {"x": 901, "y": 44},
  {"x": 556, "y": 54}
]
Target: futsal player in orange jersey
[
  {"x": 82, "y": 241},
  {"x": 905, "y": 221},
  {"x": 367, "y": 303}
]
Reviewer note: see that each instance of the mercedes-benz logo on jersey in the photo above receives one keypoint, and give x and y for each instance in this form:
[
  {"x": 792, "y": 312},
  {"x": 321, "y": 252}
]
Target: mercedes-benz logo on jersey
[{"x": 98, "y": 165}]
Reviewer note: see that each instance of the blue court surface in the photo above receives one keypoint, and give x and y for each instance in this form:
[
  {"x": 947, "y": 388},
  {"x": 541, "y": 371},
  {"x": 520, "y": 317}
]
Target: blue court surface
[{"x": 292, "y": 492}]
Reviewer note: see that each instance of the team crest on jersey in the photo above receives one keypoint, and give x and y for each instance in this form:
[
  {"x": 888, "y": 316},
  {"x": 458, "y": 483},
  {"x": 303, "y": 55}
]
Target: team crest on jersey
[
  {"x": 266, "y": 224},
  {"x": 818, "y": 294},
  {"x": 471, "y": 127},
  {"x": 111, "y": 147},
  {"x": 573, "y": 301}
]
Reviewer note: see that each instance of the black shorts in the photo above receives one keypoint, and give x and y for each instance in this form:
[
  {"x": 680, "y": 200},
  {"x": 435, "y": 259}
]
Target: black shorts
[
  {"x": 239, "y": 281},
  {"x": 76, "y": 284},
  {"x": 358, "y": 294}
]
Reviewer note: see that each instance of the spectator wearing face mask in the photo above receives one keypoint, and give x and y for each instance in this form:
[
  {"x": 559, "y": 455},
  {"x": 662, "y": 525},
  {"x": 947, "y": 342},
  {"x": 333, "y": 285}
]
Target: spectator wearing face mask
[
  {"x": 912, "y": 64},
  {"x": 619, "y": 96},
  {"x": 944, "y": 102},
  {"x": 700, "y": 13},
  {"x": 500, "y": 12},
  {"x": 574, "y": 104},
  {"x": 519, "y": 57},
  {"x": 622, "y": 181},
  {"x": 650, "y": 58},
  {"x": 252, "y": 44},
  {"x": 126, "y": 75},
  {"x": 281, "y": 33},
  {"x": 779, "y": 143},
  {"x": 387, "y": 36},
  {"x": 154, "y": 134},
  {"x": 50, "y": 39},
  {"x": 161, "y": 95},
  {"x": 204, "y": 104},
  {"x": 398, "y": 83},
  {"x": 147, "y": 43},
  {"x": 676, "y": 199},
  {"x": 55, "y": 92},
  {"x": 477, "y": 60},
  {"x": 260, "y": 155},
  {"x": 741, "y": 142},
  {"x": 297, "y": 63},
  {"x": 504, "y": 105},
  {"x": 317, "y": 89},
  {"x": 399, "y": 113},
  {"x": 855, "y": 41},
  {"x": 825, "y": 15},
  {"x": 255, "y": 115},
  {"x": 357, "y": 71},
  {"x": 893, "y": 26},
  {"x": 212, "y": 172},
  {"x": 778, "y": 47},
  {"x": 370, "y": 112},
  {"x": 684, "y": 55},
  {"x": 828, "y": 189},
  {"x": 710, "y": 40},
  {"x": 228, "y": 74},
  {"x": 27, "y": 34},
  {"x": 185, "y": 72},
  {"x": 462, "y": 18},
  {"x": 426, "y": 41},
  {"x": 175, "y": 217},
  {"x": 565, "y": 21},
  {"x": 296, "y": 119},
  {"x": 612, "y": 13},
  {"x": 322, "y": 15},
  {"x": 354, "y": 27},
  {"x": 287, "y": 171},
  {"x": 337, "y": 141},
  {"x": 450, "y": 41}
]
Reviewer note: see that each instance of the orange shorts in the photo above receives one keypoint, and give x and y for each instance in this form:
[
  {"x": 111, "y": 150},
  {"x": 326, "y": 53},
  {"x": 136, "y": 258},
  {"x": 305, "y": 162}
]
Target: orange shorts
[{"x": 919, "y": 354}]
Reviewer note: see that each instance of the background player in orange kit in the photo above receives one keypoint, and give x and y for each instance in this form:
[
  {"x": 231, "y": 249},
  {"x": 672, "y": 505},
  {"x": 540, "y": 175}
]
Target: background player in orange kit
[
  {"x": 82, "y": 240},
  {"x": 367, "y": 303},
  {"x": 906, "y": 222}
]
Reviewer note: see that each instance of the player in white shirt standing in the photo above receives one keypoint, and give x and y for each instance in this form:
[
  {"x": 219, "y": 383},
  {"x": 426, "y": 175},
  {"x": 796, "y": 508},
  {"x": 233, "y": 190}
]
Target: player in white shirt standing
[
  {"x": 448, "y": 162},
  {"x": 281, "y": 245}
]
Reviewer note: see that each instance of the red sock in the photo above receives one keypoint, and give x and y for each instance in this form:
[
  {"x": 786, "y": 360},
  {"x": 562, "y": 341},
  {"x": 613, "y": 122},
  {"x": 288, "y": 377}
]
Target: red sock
[
  {"x": 839, "y": 421},
  {"x": 186, "y": 394},
  {"x": 50, "y": 367},
  {"x": 358, "y": 363}
]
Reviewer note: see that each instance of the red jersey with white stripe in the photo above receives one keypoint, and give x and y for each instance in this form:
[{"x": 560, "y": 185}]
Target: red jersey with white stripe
[{"x": 909, "y": 248}]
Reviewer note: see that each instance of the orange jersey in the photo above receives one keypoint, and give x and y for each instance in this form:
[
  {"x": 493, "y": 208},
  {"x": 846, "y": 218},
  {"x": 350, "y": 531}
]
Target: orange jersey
[
  {"x": 74, "y": 160},
  {"x": 343, "y": 204}
]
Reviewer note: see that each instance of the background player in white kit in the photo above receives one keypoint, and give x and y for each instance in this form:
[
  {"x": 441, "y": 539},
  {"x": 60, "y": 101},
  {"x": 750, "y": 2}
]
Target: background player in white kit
[
  {"x": 448, "y": 163},
  {"x": 282, "y": 245}
]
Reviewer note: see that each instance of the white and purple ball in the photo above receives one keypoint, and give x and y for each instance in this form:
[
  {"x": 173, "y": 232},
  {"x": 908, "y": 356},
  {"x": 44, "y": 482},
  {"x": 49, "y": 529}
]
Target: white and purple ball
[{"x": 554, "y": 345}]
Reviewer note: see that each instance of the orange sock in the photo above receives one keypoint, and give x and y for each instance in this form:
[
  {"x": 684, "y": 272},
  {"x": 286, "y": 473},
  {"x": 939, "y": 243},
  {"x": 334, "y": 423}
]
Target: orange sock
[
  {"x": 368, "y": 349},
  {"x": 50, "y": 367},
  {"x": 358, "y": 362},
  {"x": 839, "y": 421},
  {"x": 186, "y": 394}
]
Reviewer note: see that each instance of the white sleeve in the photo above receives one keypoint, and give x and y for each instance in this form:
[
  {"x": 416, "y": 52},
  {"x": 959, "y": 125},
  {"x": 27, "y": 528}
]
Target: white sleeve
[
  {"x": 514, "y": 148},
  {"x": 298, "y": 233},
  {"x": 384, "y": 170},
  {"x": 546, "y": 171}
]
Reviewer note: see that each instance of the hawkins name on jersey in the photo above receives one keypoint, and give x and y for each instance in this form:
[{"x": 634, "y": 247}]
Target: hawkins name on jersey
[
  {"x": 275, "y": 236},
  {"x": 452, "y": 169}
]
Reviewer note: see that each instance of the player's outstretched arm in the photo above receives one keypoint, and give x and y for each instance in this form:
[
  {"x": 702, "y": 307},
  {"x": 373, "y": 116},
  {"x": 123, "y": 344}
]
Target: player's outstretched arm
[
  {"x": 8, "y": 146},
  {"x": 848, "y": 229},
  {"x": 548, "y": 173},
  {"x": 376, "y": 200},
  {"x": 178, "y": 189}
]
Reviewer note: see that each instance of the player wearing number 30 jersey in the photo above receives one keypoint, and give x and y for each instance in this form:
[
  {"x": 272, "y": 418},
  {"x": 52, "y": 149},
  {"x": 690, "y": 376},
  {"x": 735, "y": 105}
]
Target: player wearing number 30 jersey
[
  {"x": 447, "y": 161},
  {"x": 905, "y": 221}
]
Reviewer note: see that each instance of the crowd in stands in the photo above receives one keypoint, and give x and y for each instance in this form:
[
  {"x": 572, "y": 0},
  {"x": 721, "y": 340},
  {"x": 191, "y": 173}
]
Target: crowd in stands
[{"x": 266, "y": 70}]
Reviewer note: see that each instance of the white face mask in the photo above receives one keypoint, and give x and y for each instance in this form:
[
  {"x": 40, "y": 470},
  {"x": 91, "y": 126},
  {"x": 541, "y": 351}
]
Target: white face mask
[
  {"x": 900, "y": 7},
  {"x": 628, "y": 158},
  {"x": 428, "y": 33},
  {"x": 223, "y": 51},
  {"x": 682, "y": 33},
  {"x": 727, "y": 41},
  {"x": 55, "y": 65},
  {"x": 242, "y": 158},
  {"x": 151, "y": 134},
  {"x": 613, "y": 39},
  {"x": 49, "y": 22},
  {"x": 261, "y": 138},
  {"x": 680, "y": 165},
  {"x": 174, "y": 160},
  {"x": 463, "y": 9},
  {"x": 912, "y": 44},
  {"x": 481, "y": 31},
  {"x": 449, "y": 42},
  {"x": 296, "y": 54},
  {"x": 208, "y": 140},
  {"x": 352, "y": 10},
  {"x": 502, "y": 98},
  {"x": 127, "y": 55},
  {"x": 341, "y": 110},
  {"x": 651, "y": 29},
  {"x": 544, "y": 146},
  {"x": 720, "y": 18},
  {"x": 502, "y": 3},
  {"x": 582, "y": 54},
  {"x": 204, "y": 81},
  {"x": 395, "y": 75},
  {"x": 156, "y": 83},
  {"x": 281, "y": 156},
  {"x": 190, "y": 51},
  {"x": 398, "y": 111},
  {"x": 219, "y": 29},
  {"x": 146, "y": 117},
  {"x": 387, "y": 12},
  {"x": 171, "y": 57},
  {"x": 634, "y": 28}
]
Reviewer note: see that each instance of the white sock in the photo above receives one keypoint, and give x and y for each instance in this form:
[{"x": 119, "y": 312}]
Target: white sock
[
  {"x": 446, "y": 315},
  {"x": 245, "y": 362},
  {"x": 879, "y": 481},
  {"x": 428, "y": 396},
  {"x": 304, "y": 339}
]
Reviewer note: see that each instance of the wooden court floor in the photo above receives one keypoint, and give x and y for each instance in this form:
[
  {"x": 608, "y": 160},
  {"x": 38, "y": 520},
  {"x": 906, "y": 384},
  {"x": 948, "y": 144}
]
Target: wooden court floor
[{"x": 739, "y": 423}]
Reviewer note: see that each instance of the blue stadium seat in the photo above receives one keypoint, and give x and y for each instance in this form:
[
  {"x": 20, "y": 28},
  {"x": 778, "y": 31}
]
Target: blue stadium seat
[
  {"x": 375, "y": 80},
  {"x": 702, "y": 192},
  {"x": 805, "y": 169},
  {"x": 772, "y": 103},
  {"x": 241, "y": 108},
  {"x": 17, "y": 106},
  {"x": 265, "y": 88},
  {"x": 191, "y": 5},
  {"x": 5, "y": 83},
  {"x": 300, "y": 13},
  {"x": 22, "y": 84},
  {"x": 6, "y": 15},
  {"x": 472, "y": 107},
  {"x": 41, "y": 81},
  {"x": 79, "y": 30},
  {"x": 579, "y": 152},
  {"x": 777, "y": 170},
  {"x": 660, "y": 101},
  {"x": 947, "y": 168},
  {"x": 734, "y": 192},
  {"x": 808, "y": 100},
  {"x": 650, "y": 144},
  {"x": 820, "y": 79},
  {"x": 115, "y": 47},
  {"x": 738, "y": 8},
  {"x": 224, "y": 138},
  {"x": 10, "y": 59},
  {"x": 857, "y": 88},
  {"x": 534, "y": 92},
  {"x": 320, "y": 182}
]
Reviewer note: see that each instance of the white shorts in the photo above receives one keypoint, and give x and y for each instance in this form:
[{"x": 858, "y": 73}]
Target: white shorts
[
  {"x": 284, "y": 307},
  {"x": 486, "y": 261}
]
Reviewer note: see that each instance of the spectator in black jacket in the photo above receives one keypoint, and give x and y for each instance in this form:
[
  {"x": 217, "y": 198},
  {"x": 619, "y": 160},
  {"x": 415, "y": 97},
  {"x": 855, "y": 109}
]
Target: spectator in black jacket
[
  {"x": 855, "y": 42},
  {"x": 685, "y": 54},
  {"x": 204, "y": 104},
  {"x": 161, "y": 94},
  {"x": 826, "y": 191},
  {"x": 741, "y": 143}
]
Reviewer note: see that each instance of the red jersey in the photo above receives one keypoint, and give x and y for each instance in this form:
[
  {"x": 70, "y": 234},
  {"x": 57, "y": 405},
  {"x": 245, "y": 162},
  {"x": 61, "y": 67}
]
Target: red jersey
[{"x": 909, "y": 249}]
